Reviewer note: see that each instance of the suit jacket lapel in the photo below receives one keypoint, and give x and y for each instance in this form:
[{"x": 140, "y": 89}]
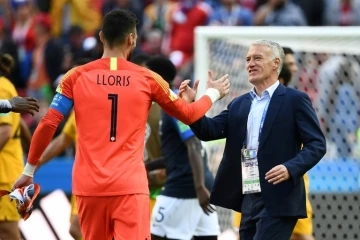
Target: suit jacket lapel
[
  {"x": 274, "y": 107},
  {"x": 243, "y": 114}
]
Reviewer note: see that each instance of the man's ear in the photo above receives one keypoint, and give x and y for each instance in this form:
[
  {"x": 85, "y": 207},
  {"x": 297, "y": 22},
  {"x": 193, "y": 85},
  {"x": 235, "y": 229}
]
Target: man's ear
[
  {"x": 101, "y": 36},
  {"x": 277, "y": 63},
  {"x": 131, "y": 39}
]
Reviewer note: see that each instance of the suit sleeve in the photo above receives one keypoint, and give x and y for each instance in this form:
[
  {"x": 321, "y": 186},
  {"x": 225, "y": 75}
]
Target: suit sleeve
[
  {"x": 209, "y": 129},
  {"x": 314, "y": 144},
  {"x": 188, "y": 113},
  {"x": 60, "y": 106}
]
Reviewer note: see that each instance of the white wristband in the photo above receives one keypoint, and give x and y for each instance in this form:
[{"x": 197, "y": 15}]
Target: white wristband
[
  {"x": 5, "y": 104},
  {"x": 213, "y": 93},
  {"x": 29, "y": 170}
]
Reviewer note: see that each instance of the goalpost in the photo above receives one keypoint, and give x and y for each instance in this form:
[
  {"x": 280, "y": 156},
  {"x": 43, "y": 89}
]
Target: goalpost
[{"x": 328, "y": 59}]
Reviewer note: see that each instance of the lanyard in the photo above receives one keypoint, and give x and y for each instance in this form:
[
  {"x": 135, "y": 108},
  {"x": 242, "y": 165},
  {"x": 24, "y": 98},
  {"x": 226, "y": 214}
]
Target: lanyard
[{"x": 261, "y": 122}]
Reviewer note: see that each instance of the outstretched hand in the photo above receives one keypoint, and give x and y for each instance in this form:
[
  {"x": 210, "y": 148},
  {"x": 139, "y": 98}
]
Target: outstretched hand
[
  {"x": 188, "y": 94},
  {"x": 24, "y": 105}
]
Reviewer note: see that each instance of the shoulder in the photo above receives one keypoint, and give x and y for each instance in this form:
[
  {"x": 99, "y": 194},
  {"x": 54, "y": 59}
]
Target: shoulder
[
  {"x": 239, "y": 99},
  {"x": 7, "y": 86},
  {"x": 292, "y": 92}
]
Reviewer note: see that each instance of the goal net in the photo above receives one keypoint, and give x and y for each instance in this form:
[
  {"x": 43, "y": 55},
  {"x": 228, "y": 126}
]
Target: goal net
[{"x": 328, "y": 60}]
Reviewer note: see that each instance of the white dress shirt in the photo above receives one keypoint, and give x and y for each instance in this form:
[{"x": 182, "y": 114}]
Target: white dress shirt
[{"x": 256, "y": 112}]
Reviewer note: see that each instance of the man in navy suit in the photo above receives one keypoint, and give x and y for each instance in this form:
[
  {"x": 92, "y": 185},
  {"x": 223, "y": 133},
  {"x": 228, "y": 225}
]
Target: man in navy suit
[{"x": 261, "y": 173}]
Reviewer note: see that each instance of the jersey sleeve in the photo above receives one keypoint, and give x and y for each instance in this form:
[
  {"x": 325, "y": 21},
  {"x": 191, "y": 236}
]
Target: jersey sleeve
[
  {"x": 67, "y": 82},
  {"x": 183, "y": 130},
  {"x": 5, "y": 93},
  {"x": 187, "y": 113},
  {"x": 70, "y": 127}
]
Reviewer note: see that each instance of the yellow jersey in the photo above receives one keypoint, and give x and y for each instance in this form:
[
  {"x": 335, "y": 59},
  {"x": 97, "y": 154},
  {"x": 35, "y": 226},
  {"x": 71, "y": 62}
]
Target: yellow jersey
[
  {"x": 11, "y": 155},
  {"x": 70, "y": 127}
]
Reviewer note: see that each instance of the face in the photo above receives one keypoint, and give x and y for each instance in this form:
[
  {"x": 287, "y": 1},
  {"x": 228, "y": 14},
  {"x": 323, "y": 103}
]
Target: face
[
  {"x": 291, "y": 63},
  {"x": 260, "y": 66},
  {"x": 23, "y": 11}
]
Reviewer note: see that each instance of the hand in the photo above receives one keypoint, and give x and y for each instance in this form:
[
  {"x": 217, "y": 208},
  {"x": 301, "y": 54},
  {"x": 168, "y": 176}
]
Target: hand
[
  {"x": 222, "y": 84},
  {"x": 22, "y": 181},
  {"x": 187, "y": 93},
  {"x": 277, "y": 174},
  {"x": 203, "y": 196},
  {"x": 22, "y": 105}
]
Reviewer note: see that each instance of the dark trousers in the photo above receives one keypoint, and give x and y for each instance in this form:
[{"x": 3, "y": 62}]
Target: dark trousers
[{"x": 257, "y": 224}]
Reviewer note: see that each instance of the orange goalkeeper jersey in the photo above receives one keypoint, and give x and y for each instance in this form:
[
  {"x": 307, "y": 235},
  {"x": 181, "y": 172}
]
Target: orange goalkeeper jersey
[{"x": 111, "y": 99}]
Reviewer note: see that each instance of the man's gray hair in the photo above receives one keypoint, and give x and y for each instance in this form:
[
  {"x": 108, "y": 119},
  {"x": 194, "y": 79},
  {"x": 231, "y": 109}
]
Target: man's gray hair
[{"x": 276, "y": 51}]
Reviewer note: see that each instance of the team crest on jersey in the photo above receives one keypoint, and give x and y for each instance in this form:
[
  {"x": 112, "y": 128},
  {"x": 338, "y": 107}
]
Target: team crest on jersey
[{"x": 173, "y": 96}]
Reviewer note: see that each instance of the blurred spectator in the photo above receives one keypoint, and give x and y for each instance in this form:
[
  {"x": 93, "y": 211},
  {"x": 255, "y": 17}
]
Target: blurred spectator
[
  {"x": 153, "y": 41},
  {"x": 338, "y": 103},
  {"x": 5, "y": 13},
  {"x": 8, "y": 46},
  {"x": 157, "y": 15},
  {"x": 76, "y": 39},
  {"x": 279, "y": 13},
  {"x": 230, "y": 13},
  {"x": 249, "y": 4},
  {"x": 47, "y": 61},
  {"x": 83, "y": 13},
  {"x": 314, "y": 11},
  {"x": 135, "y": 6},
  {"x": 93, "y": 47},
  {"x": 23, "y": 35},
  {"x": 342, "y": 13},
  {"x": 179, "y": 40}
]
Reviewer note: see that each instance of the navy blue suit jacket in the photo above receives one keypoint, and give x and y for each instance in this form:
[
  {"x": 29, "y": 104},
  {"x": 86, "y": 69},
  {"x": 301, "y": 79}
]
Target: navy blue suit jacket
[{"x": 290, "y": 122}]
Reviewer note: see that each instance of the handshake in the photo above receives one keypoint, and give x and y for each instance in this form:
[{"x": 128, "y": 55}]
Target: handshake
[{"x": 214, "y": 89}]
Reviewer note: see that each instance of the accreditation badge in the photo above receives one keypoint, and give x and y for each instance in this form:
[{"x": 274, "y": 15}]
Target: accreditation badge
[{"x": 250, "y": 171}]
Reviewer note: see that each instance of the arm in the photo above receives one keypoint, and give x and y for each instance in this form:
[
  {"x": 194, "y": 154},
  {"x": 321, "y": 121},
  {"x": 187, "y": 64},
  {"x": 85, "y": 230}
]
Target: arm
[
  {"x": 208, "y": 129},
  {"x": 57, "y": 146},
  {"x": 25, "y": 133},
  {"x": 5, "y": 134},
  {"x": 194, "y": 148},
  {"x": 155, "y": 164},
  {"x": 314, "y": 145},
  {"x": 61, "y": 105},
  {"x": 19, "y": 105}
]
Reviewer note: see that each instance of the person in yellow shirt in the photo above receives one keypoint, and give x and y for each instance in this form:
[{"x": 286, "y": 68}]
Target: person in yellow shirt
[
  {"x": 84, "y": 13},
  {"x": 11, "y": 154}
]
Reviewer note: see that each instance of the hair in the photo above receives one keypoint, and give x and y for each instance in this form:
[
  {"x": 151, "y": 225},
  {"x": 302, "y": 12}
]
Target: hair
[
  {"x": 276, "y": 51},
  {"x": 285, "y": 74},
  {"x": 140, "y": 59},
  {"x": 288, "y": 50},
  {"x": 6, "y": 63},
  {"x": 162, "y": 66},
  {"x": 81, "y": 61},
  {"x": 117, "y": 25}
]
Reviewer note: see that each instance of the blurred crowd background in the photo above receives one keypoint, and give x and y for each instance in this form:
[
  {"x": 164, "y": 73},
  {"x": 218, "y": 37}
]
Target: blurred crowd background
[{"x": 48, "y": 37}]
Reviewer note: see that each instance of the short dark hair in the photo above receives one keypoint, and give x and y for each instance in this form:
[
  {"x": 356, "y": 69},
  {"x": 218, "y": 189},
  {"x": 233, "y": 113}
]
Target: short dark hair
[
  {"x": 162, "y": 66},
  {"x": 140, "y": 59},
  {"x": 285, "y": 74},
  {"x": 116, "y": 25},
  {"x": 288, "y": 50}
]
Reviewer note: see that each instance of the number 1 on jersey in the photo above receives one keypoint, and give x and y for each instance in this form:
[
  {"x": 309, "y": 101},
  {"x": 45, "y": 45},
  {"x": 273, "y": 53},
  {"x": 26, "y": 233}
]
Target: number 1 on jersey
[{"x": 114, "y": 107}]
